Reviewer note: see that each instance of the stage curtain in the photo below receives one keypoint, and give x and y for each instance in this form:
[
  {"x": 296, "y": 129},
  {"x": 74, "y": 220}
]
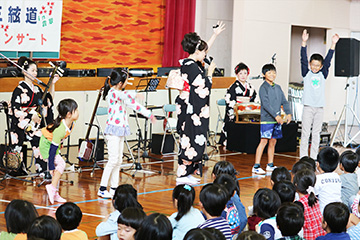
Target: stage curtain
[{"x": 179, "y": 20}]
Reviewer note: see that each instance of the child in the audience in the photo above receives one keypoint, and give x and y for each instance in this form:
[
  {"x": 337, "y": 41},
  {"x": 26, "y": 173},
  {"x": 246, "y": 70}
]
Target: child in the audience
[
  {"x": 358, "y": 168},
  {"x": 230, "y": 213},
  {"x": 129, "y": 222},
  {"x": 309, "y": 160},
  {"x": 155, "y": 226},
  {"x": 213, "y": 199},
  {"x": 69, "y": 216},
  {"x": 349, "y": 184},
  {"x": 286, "y": 190},
  {"x": 266, "y": 203},
  {"x": 215, "y": 232},
  {"x": 304, "y": 182},
  {"x": 355, "y": 207},
  {"x": 44, "y": 228},
  {"x": 328, "y": 182},
  {"x": 300, "y": 165},
  {"x": 19, "y": 215},
  {"x": 336, "y": 216},
  {"x": 280, "y": 173},
  {"x": 187, "y": 217},
  {"x": 200, "y": 234},
  {"x": 250, "y": 235},
  {"x": 125, "y": 196},
  {"x": 290, "y": 220}
]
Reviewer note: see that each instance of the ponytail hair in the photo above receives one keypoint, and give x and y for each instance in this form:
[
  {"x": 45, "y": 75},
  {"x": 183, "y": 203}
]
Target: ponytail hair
[
  {"x": 25, "y": 63},
  {"x": 185, "y": 196},
  {"x": 304, "y": 182},
  {"x": 117, "y": 75},
  {"x": 64, "y": 107}
]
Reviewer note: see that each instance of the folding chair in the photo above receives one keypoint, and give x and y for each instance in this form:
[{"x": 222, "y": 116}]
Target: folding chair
[
  {"x": 170, "y": 126},
  {"x": 219, "y": 104}
]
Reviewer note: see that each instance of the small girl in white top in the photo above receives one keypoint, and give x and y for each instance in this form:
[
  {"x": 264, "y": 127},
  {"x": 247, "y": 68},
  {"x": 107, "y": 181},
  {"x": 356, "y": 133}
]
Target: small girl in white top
[{"x": 117, "y": 126}]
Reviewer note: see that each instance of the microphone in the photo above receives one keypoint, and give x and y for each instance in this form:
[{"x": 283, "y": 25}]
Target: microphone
[{"x": 208, "y": 61}]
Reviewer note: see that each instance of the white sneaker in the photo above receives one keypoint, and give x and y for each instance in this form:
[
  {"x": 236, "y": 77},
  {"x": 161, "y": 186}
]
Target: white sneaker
[
  {"x": 192, "y": 178},
  {"x": 186, "y": 180},
  {"x": 258, "y": 171},
  {"x": 104, "y": 194},
  {"x": 270, "y": 169},
  {"x": 112, "y": 192}
]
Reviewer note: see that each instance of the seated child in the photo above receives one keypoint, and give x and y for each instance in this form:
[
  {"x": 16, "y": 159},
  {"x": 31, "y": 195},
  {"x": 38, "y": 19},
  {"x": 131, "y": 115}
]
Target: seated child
[
  {"x": 129, "y": 222},
  {"x": 328, "y": 183},
  {"x": 336, "y": 216},
  {"x": 125, "y": 196},
  {"x": 286, "y": 190},
  {"x": 290, "y": 220},
  {"x": 187, "y": 217},
  {"x": 349, "y": 184},
  {"x": 200, "y": 234},
  {"x": 266, "y": 204},
  {"x": 358, "y": 168},
  {"x": 19, "y": 215},
  {"x": 155, "y": 226},
  {"x": 250, "y": 235},
  {"x": 214, "y": 232},
  {"x": 280, "y": 173},
  {"x": 213, "y": 199},
  {"x": 69, "y": 216},
  {"x": 309, "y": 160},
  {"x": 355, "y": 207},
  {"x": 44, "y": 227}
]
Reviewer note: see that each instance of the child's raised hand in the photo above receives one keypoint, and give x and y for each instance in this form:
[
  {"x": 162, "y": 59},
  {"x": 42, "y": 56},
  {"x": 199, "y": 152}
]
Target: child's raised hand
[
  {"x": 305, "y": 35},
  {"x": 335, "y": 38},
  {"x": 220, "y": 27},
  {"x": 279, "y": 119}
]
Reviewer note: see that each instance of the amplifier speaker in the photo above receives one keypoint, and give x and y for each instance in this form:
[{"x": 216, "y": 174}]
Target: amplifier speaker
[
  {"x": 100, "y": 148},
  {"x": 157, "y": 140},
  {"x": 347, "y": 57}
]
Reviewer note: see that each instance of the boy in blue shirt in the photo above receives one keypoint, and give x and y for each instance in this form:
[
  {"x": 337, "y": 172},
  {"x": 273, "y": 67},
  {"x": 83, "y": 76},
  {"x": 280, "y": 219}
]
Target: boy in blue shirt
[
  {"x": 314, "y": 95},
  {"x": 272, "y": 98}
]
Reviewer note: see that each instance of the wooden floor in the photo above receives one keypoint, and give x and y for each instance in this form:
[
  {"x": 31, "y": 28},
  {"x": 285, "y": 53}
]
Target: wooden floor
[{"x": 154, "y": 190}]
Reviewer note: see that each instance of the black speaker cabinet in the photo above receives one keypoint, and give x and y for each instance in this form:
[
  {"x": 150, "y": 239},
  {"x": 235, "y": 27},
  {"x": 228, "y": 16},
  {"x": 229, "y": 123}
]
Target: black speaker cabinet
[
  {"x": 347, "y": 57},
  {"x": 100, "y": 148},
  {"x": 157, "y": 140}
]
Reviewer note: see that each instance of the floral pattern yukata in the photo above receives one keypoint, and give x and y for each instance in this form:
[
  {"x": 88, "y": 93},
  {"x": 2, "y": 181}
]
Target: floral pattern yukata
[
  {"x": 193, "y": 116},
  {"x": 25, "y": 98}
]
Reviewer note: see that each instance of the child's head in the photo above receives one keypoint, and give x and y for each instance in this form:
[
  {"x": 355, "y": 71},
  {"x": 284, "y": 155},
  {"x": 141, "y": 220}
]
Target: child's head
[
  {"x": 67, "y": 108},
  {"x": 19, "y": 215},
  {"x": 129, "y": 222},
  {"x": 224, "y": 167},
  {"x": 216, "y": 233},
  {"x": 348, "y": 161},
  {"x": 304, "y": 182},
  {"x": 280, "y": 173},
  {"x": 118, "y": 77},
  {"x": 300, "y": 165},
  {"x": 44, "y": 227},
  {"x": 213, "y": 198},
  {"x": 309, "y": 160},
  {"x": 242, "y": 71},
  {"x": 183, "y": 198},
  {"x": 328, "y": 159},
  {"x": 266, "y": 202},
  {"x": 199, "y": 234},
  {"x": 125, "y": 196},
  {"x": 316, "y": 62},
  {"x": 155, "y": 226},
  {"x": 290, "y": 219},
  {"x": 286, "y": 190},
  {"x": 228, "y": 182},
  {"x": 28, "y": 65},
  {"x": 335, "y": 217},
  {"x": 192, "y": 42},
  {"x": 250, "y": 235},
  {"x": 69, "y": 216},
  {"x": 269, "y": 72}
]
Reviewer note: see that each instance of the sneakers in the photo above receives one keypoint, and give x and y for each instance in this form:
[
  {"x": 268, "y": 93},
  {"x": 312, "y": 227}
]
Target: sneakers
[
  {"x": 258, "y": 170},
  {"x": 51, "y": 191},
  {"x": 104, "y": 194},
  {"x": 270, "y": 169},
  {"x": 187, "y": 180},
  {"x": 192, "y": 178},
  {"x": 58, "y": 198},
  {"x": 112, "y": 192}
]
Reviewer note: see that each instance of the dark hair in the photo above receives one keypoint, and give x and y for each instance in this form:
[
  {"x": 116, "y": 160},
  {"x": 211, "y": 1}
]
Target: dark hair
[
  {"x": 241, "y": 66},
  {"x": 266, "y": 203},
  {"x": 328, "y": 159},
  {"x": 226, "y": 167},
  {"x": 117, "y": 75},
  {"x": 310, "y": 161},
  {"x": 300, "y": 165},
  {"x": 214, "y": 198},
  {"x": 228, "y": 182},
  {"x": 216, "y": 233},
  {"x": 192, "y": 42},
  {"x": 185, "y": 196},
  {"x": 125, "y": 196},
  {"x": 317, "y": 57},
  {"x": 358, "y": 152},
  {"x": 290, "y": 219},
  {"x": 64, "y": 107},
  {"x": 303, "y": 180},
  {"x": 336, "y": 215},
  {"x": 286, "y": 190},
  {"x": 280, "y": 173},
  {"x": 200, "y": 234},
  {"x": 155, "y": 226},
  {"x": 45, "y": 227},
  {"x": 250, "y": 235},
  {"x": 69, "y": 216},
  {"x": 25, "y": 63},
  {"x": 19, "y": 215},
  {"x": 268, "y": 67},
  {"x": 132, "y": 217},
  {"x": 349, "y": 161}
]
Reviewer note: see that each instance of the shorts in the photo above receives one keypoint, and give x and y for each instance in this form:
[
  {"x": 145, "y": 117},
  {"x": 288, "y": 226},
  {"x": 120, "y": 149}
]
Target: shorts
[{"x": 270, "y": 130}]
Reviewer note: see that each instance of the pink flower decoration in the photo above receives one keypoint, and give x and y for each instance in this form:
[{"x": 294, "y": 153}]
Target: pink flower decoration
[
  {"x": 132, "y": 101},
  {"x": 110, "y": 109},
  {"x": 117, "y": 121},
  {"x": 114, "y": 95},
  {"x": 137, "y": 108}
]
